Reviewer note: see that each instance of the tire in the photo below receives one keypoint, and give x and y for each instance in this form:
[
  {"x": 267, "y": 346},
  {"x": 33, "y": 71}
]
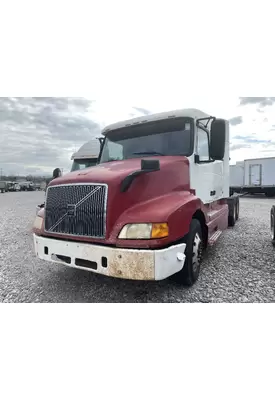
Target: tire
[
  {"x": 272, "y": 225},
  {"x": 189, "y": 274},
  {"x": 237, "y": 209},
  {"x": 231, "y": 221},
  {"x": 232, "y": 212}
]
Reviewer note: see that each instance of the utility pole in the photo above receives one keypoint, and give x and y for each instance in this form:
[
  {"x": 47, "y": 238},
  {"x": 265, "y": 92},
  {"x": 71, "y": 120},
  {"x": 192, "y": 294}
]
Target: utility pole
[{"x": 1, "y": 170}]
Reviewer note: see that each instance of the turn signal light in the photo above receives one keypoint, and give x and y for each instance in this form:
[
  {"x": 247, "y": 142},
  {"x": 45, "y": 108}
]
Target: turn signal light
[{"x": 159, "y": 231}]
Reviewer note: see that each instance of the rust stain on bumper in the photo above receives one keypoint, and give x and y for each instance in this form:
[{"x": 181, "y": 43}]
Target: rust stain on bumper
[{"x": 133, "y": 265}]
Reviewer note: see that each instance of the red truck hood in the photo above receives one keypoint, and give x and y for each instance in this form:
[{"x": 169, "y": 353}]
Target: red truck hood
[
  {"x": 113, "y": 172},
  {"x": 172, "y": 176}
]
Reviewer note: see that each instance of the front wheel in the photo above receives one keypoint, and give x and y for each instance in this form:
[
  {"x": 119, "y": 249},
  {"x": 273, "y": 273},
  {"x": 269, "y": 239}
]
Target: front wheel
[{"x": 189, "y": 274}]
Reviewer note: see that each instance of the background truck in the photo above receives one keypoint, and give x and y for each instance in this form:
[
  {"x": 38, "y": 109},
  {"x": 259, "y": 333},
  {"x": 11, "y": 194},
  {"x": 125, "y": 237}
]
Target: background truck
[
  {"x": 157, "y": 199},
  {"x": 3, "y": 187},
  {"x": 257, "y": 175},
  {"x": 26, "y": 186},
  {"x": 13, "y": 187},
  {"x": 86, "y": 156}
]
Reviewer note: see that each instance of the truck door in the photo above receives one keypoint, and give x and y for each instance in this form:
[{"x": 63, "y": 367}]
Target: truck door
[
  {"x": 255, "y": 175},
  {"x": 207, "y": 176}
]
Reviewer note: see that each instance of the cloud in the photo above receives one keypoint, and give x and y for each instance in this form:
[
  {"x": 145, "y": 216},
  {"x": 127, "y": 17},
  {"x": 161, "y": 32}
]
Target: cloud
[
  {"x": 261, "y": 101},
  {"x": 41, "y": 133},
  {"x": 239, "y": 146},
  {"x": 141, "y": 110},
  {"x": 251, "y": 139},
  {"x": 236, "y": 120}
]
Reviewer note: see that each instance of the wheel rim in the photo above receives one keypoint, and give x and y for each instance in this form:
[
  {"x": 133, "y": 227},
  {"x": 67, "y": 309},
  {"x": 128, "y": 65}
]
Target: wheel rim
[{"x": 197, "y": 253}]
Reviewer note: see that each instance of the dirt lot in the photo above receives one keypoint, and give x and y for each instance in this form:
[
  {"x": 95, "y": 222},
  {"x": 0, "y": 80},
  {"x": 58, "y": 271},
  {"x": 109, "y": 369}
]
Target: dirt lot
[{"x": 240, "y": 268}]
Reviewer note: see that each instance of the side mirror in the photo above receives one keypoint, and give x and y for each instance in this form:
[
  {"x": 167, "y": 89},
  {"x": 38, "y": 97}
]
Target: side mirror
[
  {"x": 150, "y": 165},
  {"x": 217, "y": 139},
  {"x": 57, "y": 173}
]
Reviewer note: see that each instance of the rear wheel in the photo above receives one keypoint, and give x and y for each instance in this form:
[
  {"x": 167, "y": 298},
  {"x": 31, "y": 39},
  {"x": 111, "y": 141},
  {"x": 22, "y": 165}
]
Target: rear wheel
[
  {"x": 232, "y": 217},
  {"x": 233, "y": 211},
  {"x": 237, "y": 205},
  {"x": 193, "y": 252}
]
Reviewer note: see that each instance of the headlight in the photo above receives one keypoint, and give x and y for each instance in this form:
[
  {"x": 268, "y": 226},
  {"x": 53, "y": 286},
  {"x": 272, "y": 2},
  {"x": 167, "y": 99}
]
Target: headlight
[{"x": 144, "y": 231}]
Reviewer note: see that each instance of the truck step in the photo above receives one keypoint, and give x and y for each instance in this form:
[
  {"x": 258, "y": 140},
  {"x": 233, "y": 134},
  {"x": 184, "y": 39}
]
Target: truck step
[
  {"x": 213, "y": 214},
  {"x": 214, "y": 237}
]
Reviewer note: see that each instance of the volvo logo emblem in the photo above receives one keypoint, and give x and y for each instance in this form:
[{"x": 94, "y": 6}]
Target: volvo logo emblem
[{"x": 71, "y": 210}]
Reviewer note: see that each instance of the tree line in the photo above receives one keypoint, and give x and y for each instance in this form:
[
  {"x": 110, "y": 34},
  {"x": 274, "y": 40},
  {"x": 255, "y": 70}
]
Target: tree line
[{"x": 28, "y": 178}]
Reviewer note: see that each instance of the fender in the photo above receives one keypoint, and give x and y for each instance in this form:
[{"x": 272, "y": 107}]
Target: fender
[{"x": 176, "y": 208}]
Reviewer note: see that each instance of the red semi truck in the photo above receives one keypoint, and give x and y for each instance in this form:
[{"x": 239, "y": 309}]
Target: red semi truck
[{"x": 157, "y": 198}]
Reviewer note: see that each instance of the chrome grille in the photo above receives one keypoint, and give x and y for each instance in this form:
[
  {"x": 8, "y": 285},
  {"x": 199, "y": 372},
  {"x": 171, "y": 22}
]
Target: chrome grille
[{"x": 77, "y": 210}]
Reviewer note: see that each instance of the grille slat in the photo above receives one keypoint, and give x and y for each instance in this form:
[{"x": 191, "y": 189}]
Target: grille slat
[{"x": 76, "y": 210}]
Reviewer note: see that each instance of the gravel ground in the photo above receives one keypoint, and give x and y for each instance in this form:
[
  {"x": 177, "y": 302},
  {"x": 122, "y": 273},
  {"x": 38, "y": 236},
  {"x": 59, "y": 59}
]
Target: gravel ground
[{"x": 239, "y": 268}]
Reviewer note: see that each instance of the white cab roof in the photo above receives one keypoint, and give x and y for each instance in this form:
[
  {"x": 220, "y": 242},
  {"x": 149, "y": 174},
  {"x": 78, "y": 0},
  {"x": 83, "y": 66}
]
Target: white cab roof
[
  {"x": 88, "y": 150},
  {"x": 188, "y": 112}
]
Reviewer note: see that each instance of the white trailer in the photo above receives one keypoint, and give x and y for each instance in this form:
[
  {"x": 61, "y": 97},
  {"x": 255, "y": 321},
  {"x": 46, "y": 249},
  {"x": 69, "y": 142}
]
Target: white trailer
[
  {"x": 259, "y": 176},
  {"x": 237, "y": 177}
]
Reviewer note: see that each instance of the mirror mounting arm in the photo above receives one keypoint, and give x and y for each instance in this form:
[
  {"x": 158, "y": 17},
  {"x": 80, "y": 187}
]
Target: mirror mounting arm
[{"x": 207, "y": 119}]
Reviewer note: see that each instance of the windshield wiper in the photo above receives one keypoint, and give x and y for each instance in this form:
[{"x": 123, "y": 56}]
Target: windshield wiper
[{"x": 151, "y": 153}]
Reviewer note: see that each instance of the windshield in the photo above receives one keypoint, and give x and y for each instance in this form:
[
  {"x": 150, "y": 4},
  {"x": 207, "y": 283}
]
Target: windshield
[
  {"x": 82, "y": 164},
  {"x": 162, "y": 138}
]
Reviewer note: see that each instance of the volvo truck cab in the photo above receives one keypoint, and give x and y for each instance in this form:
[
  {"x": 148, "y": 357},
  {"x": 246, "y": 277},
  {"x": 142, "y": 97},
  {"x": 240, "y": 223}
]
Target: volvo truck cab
[{"x": 158, "y": 197}]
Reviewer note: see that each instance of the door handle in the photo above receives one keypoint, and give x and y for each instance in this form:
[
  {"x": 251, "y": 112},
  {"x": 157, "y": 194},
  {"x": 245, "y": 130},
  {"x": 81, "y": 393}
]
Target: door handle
[{"x": 212, "y": 193}]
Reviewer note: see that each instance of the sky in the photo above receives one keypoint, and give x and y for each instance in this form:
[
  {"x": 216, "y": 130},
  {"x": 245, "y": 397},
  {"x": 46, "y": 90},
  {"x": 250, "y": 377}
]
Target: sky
[
  {"x": 108, "y": 61},
  {"x": 41, "y": 133}
]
